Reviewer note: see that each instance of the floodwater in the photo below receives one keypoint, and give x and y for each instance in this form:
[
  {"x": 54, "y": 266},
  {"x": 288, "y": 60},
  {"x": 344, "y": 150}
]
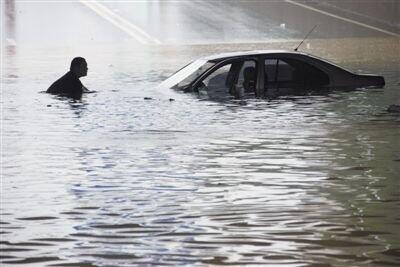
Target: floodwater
[{"x": 117, "y": 180}]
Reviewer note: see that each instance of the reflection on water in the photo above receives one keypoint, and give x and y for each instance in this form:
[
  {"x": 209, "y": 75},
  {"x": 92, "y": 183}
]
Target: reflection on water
[
  {"x": 117, "y": 180},
  {"x": 9, "y": 23}
]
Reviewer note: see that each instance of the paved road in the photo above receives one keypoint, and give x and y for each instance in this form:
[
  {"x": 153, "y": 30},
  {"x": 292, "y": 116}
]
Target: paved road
[
  {"x": 249, "y": 21},
  {"x": 188, "y": 22}
]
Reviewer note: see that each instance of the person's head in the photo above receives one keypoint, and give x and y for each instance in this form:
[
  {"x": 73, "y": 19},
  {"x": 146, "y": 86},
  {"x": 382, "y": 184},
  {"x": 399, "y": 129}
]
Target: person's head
[{"x": 79, "y": 67}]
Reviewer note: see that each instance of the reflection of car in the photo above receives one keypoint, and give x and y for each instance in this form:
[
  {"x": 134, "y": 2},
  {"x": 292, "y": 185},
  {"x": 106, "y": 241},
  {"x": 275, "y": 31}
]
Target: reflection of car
[{"x": 265, "y": 74}]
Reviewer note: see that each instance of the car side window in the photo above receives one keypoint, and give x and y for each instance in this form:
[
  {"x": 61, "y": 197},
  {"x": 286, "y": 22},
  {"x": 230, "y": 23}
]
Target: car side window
[
  {"x": 290, "y": 72},
  {"x": 216, "y": 81},
  {"x": 247, "y": 78},
  {"x": 270, "y": 70},
  {"x": 278, "y": 70},
  {"x": 249, "y": 64},
  {"x": 285, "y": 71}
]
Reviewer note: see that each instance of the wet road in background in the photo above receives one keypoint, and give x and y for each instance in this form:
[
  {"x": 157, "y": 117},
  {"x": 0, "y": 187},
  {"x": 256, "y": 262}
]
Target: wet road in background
[
  {"x": 117, "y": 180},
  {"x": 194, "y": 22}
]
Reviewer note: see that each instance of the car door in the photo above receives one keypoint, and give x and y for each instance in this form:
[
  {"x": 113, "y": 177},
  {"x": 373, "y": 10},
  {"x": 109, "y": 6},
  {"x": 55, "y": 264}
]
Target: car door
[
  {"x": 291, "y": 76},
  {"x": 280, "y": 77}
]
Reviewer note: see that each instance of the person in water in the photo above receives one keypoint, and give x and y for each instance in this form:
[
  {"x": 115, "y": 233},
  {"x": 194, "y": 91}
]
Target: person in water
[{"x": 69, "y": 85}]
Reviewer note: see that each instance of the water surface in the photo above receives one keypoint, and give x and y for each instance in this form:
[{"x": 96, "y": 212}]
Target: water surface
[{"x": 117, "y": 180}]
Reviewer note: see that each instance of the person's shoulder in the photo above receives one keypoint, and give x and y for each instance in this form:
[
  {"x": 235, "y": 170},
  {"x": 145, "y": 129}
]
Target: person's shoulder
[{"x": 59, "y": 83}]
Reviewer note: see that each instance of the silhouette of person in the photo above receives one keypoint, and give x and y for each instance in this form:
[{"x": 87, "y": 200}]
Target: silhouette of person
[{"x": 69, "y": 85}]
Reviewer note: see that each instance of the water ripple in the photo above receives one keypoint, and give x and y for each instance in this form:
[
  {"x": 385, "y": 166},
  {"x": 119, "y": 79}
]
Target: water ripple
[{"x": 118, "y": 180}]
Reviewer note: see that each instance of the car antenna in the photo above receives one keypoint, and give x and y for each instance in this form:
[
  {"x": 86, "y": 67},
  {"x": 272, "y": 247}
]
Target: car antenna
[{"x": 305, "y": 37}]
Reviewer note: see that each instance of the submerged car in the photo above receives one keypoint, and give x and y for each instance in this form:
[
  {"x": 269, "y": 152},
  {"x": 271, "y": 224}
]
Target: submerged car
[{"x": 269, "y": 73}]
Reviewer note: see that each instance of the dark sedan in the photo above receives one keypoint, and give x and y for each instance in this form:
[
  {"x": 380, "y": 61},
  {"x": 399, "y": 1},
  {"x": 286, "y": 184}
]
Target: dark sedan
[{"x": 266, "y": 74}]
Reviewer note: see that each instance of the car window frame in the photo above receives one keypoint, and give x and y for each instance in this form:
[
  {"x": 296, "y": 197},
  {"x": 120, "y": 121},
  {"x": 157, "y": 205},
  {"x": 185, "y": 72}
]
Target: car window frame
[
  {"x": 306, "y": 60},
  {"x": 224, "y": 62},
  {"x": 172, "y": 81}
]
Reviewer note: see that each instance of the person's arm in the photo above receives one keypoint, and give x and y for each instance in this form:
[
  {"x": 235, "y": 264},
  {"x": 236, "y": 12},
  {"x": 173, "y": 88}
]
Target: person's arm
[{"x": 87, "y": 91}]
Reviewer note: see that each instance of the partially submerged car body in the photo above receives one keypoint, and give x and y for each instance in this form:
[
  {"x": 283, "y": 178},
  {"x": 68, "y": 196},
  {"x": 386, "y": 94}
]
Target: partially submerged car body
[{"x": 266, "y": 74}]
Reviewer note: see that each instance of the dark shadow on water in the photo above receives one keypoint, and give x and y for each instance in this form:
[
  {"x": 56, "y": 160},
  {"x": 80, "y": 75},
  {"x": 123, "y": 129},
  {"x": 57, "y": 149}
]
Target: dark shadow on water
[
  {"x": 78, "y": 106},
  {"x": 10, "y": 23}
]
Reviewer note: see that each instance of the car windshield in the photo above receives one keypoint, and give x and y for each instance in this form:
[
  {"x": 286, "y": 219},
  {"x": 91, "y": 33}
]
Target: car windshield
[{"x": 187, "y": 74}]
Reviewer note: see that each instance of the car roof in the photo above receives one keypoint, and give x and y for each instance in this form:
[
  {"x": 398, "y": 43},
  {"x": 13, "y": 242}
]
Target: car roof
[{"x": 218, "y": 57}]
